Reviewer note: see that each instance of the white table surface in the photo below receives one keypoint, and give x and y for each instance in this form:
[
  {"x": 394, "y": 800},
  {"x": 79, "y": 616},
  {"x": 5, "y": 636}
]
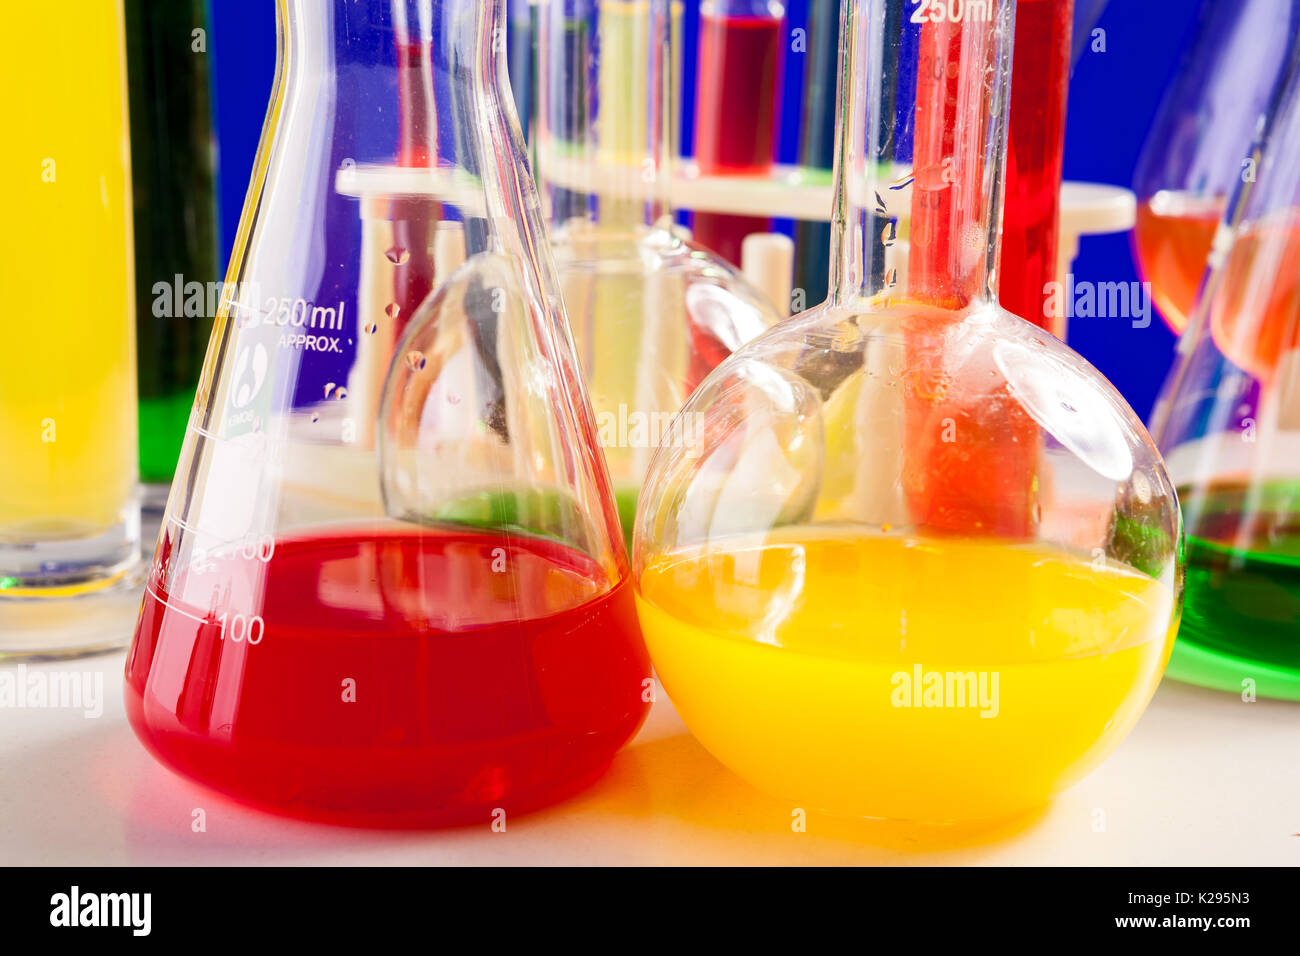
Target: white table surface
[{"x": 1204, "y": 779}]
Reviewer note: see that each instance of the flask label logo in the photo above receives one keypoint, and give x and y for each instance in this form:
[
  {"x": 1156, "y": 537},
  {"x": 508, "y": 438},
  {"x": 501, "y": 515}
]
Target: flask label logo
[{"x": 250, "y": 374}]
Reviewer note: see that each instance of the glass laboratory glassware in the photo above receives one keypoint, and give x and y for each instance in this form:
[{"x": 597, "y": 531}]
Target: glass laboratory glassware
[
  {"x": 1086, "y": 15},
  {"x": 1031, "y": 223},
  {"x": 400, "y": 601},
  {"x": 521, "y": 56},
  {"x": 652, "y": 313},
  {"x": 915, "y": 559},
  {"x": 817, "y": 136},
  {"x": 737, "y": 106},
  {"x": 69, "y": 507},
  {"x": 1228, "y": 421},
  {"x": 175, "y": 217},
  {"x": 1197, "y": 150}
]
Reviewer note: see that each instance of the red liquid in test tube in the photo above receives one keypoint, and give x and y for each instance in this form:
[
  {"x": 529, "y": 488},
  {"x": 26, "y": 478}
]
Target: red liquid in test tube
[
  {"x": 973, "y": 454},
  {"x": 742, "y": 53},
  {"x": 1035, "y": 154}
]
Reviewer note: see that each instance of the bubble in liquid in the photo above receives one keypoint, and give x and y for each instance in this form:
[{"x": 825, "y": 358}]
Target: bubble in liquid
[
  {"x": 397, "y": 255},
  {"x": 415, "y": 360},
  {"x": 392, "y": 309}
]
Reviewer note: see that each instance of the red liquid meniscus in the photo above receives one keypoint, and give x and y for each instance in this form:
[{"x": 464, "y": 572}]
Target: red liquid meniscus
[
  {"x": 390, "y": 678},
  {"x": 737, "y": 113}
]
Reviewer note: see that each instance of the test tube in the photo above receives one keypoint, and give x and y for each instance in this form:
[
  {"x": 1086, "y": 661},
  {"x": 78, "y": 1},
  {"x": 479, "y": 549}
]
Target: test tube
[
  {"x": 175, "y": 216},
  {"x": 738, "y": 106},
  {"x": 1040, "y": 79},
  {"x": 817, "y": 137}
]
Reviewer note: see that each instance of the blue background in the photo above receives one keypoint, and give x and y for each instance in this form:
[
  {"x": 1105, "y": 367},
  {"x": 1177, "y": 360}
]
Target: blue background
[{"x": 1113, "y": 98}]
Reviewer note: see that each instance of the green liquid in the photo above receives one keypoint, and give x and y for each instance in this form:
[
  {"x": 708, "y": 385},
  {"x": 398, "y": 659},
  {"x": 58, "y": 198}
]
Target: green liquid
[
  {"x": 625, "y": 500},
  {"x": 1241, "y": 612},
  {"x": 175, "y": 219}
]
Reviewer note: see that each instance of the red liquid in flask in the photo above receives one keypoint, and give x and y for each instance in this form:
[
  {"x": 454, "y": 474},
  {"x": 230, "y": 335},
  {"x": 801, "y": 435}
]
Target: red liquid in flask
[
  {"x": 986, "y": 483},
  {"x": 489, "y": 670},
  {"x": 736, "y": 114}
]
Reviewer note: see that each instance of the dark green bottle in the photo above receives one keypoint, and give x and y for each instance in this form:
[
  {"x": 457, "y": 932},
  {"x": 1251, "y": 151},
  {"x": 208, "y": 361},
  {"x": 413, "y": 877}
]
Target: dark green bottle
[{"x": 172, "y": 153}]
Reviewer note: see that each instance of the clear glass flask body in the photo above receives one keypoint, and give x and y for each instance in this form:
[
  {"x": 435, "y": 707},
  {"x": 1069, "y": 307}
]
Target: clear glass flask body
[
  {"x": 390, "y": 588},
  {"x": 652, "y": 312},
  {"x": 1228, "y": 422},
  {"x": 916, "y": 560},
  {"x": 1198, "y": 148}
]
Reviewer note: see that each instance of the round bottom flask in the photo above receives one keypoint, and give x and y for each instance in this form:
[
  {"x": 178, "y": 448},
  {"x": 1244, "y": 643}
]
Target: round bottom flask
[{"x": 918, "y": 561}]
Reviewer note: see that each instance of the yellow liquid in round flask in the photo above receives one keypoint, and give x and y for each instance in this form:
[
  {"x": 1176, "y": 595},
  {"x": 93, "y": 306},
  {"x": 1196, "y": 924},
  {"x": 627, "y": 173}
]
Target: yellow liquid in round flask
[
  {"x": 907, "y": 557},
  {"x": 896, "y": 671}
]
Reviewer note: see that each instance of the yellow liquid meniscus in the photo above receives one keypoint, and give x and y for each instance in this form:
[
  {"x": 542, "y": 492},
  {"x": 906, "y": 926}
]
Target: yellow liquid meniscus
[
  {"x": 67, "y": 368},
  {"x": 924, "y": 680}
]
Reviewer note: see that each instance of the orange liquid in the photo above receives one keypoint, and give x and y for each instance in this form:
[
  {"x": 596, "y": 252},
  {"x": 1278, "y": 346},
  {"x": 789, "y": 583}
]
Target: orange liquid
[
  {"x": 1255, "y": 319},
  {"x": 1172, "y": 240}
]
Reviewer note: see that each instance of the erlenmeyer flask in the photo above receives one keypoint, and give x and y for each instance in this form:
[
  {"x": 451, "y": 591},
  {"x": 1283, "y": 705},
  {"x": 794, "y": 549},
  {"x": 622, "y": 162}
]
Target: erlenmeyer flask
[
  {"x": 1228, "y": 421},
  {"x": 918, "y": 560},
  {"x": 1198, "y": 148},
  {"x": 652, "y": 313},
  {"x": 401, "y": 601}
]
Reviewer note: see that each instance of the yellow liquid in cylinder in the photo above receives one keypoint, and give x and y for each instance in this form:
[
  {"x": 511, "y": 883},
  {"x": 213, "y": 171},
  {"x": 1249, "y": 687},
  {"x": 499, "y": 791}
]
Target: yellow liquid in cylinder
[
  {"x": 934, "y": 680},
  {"x": 67, "y": 367}
]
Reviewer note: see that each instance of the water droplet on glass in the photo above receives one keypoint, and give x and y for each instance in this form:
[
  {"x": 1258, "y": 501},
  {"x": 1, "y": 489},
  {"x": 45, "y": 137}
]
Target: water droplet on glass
[
  {"x": 341, "y": 393},
  {"x": 415, "y": 360},
  {"x": 392, "y": 309},
  {"x": 372, "y": 328},
  {"x": 397, "y": 255},
  {"x": 453, "y": 398}
]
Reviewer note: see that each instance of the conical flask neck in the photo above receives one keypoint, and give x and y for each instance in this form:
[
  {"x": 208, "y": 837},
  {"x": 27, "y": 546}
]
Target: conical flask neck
[{"x": 920, "y": 150}]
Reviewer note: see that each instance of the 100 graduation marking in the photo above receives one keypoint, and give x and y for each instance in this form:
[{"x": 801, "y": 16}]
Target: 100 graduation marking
[
  {"x": 953, "y": 11},
  {"x": 242, "y": 627}
]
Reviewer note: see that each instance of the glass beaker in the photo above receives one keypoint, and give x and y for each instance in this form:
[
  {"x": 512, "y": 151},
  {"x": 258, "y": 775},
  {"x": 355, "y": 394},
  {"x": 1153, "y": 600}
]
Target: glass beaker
[
  {"x": 1228, "y": 421},
  {"x": 69, "y": 507},
  {"x": 401, "y": 600},
  {"x": 915, "y": 559},
  {"x": 1198, "y": 148},
  {"x": 175, "y": 219},
  {"x": 738, "y": 82},
  {"x": 652, "y": 313}
]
